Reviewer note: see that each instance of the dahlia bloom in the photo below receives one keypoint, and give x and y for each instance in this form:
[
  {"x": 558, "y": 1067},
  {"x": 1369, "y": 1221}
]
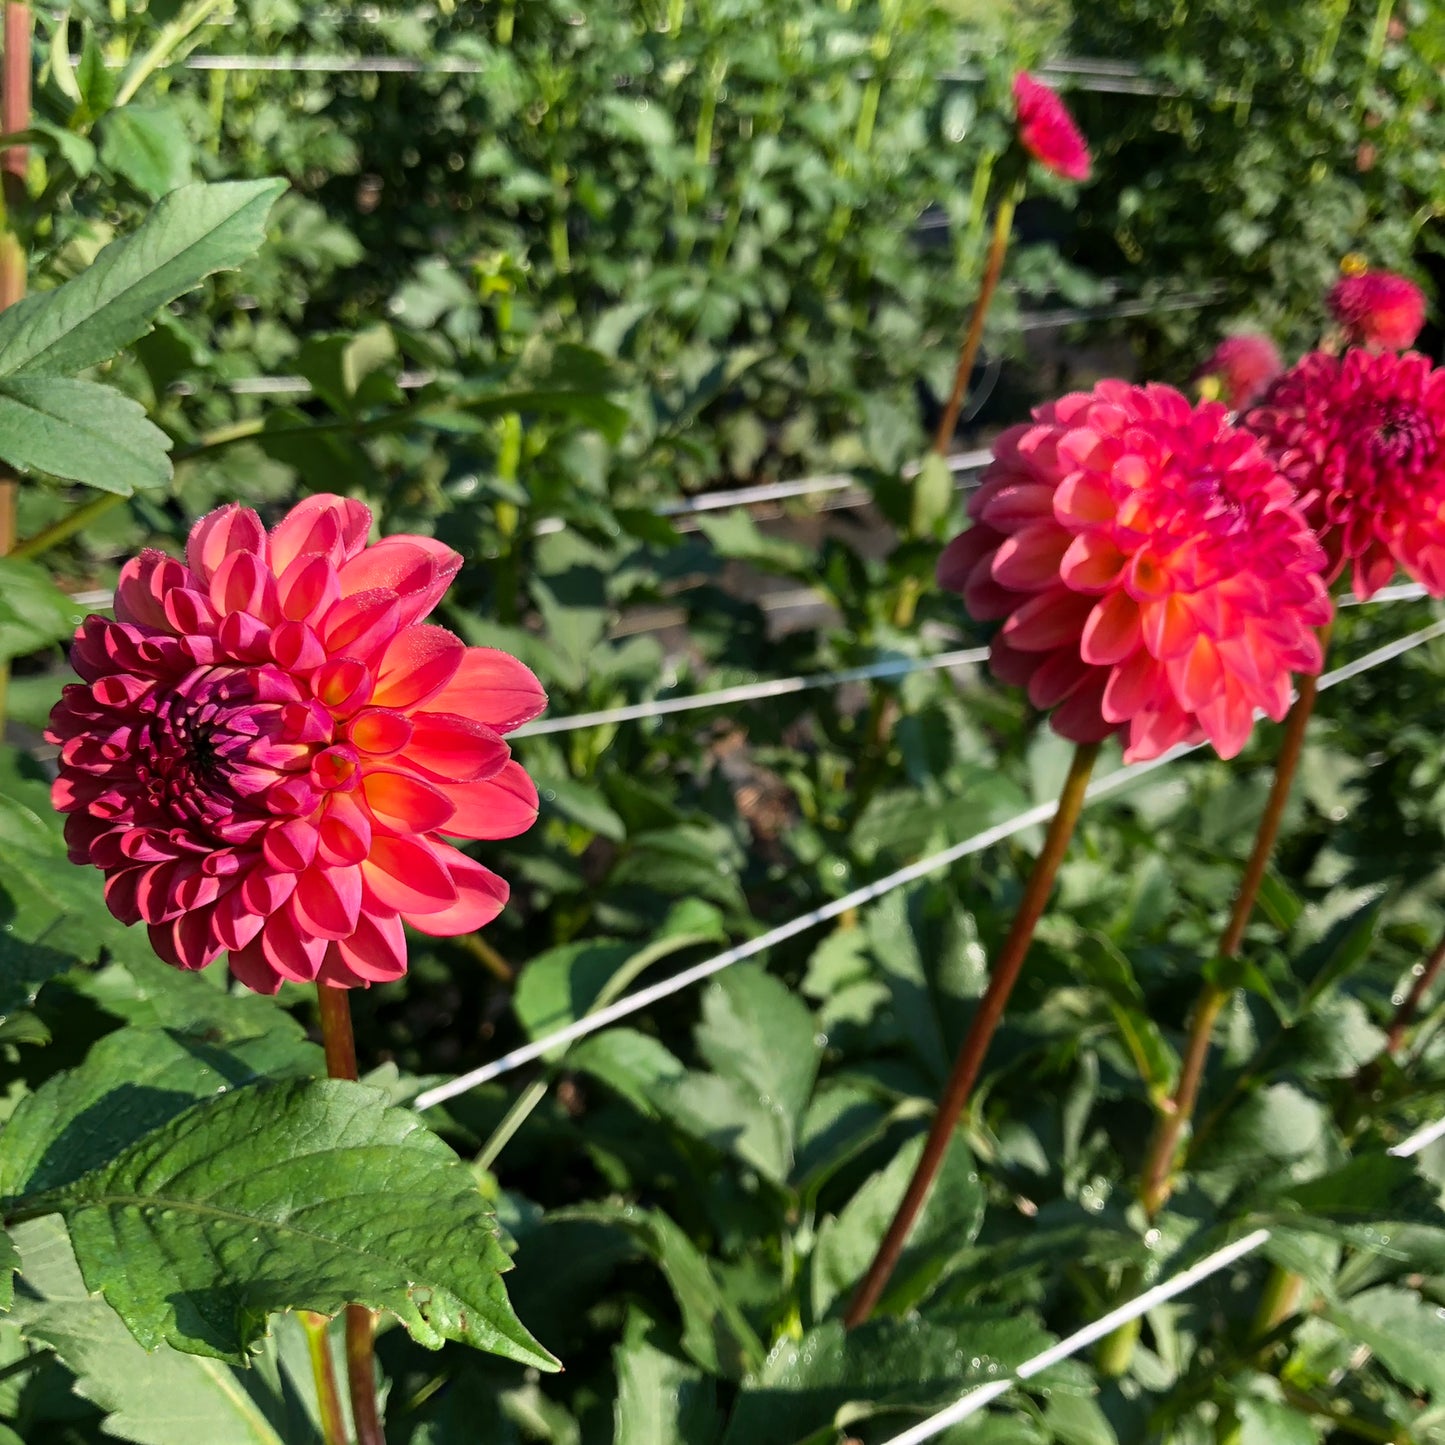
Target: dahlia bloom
[
  {"x": 1243, "y": 365},
  {"x": 1378, "y": 308},
  {"x": 1152, "y": 572},
  {"x": 1047, "y": 130},
  {"x": 1362, "y": 437},
  {"x": 270, "y": 746}
]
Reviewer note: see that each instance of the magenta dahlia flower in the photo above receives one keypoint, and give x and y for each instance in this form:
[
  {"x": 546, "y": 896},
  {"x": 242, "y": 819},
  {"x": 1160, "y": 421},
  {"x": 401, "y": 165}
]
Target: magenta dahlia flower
[
  {"x": 1152, "y": 571},
  {"x": 271, "y": 747},
  {"x": 1378, "y": 308},
  {"x": 1362, "y": 436},
  {"x": 1243, "y": 365},
  {"x": 1047, "y": 130}
]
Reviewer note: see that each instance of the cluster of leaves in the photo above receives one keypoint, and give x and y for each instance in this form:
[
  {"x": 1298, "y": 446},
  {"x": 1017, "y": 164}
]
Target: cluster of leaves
[
  {"x": 1281, "y": 138},
  {"x": 691, "y": 1196}
]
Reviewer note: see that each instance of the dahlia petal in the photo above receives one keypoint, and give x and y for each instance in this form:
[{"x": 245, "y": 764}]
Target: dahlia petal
[
  {"x": 120, "y": 894},
  {"x": 361, "y": 625},
  {"x": 250, "y": 966},
  {"x": 1083, "y": 500},
  {"x": 1169, "y": 627},
  {"x": 1092, "y": 563},
  {"x": 1048, "y": 620},
  {"x": 1056, "y": 677},
  {"x": 380, "y": 732},
  {"x": 289, "y": 949},
  {"x": 344, "y": 831},
  {"x": 263, "y": 891},
  {"x": 236, "y": 924},
  {"x": 1030, "y": 558},
  {"x": 226, "y": 532},
  {"x": 1198, "y": 677},
  {"x": 490, "y": 687},
  {"x": 1113, "y": 630},
  {"x": 1080, "y": 718},
  {"x": 420, "y": 662},
  {"x": 1018, "y": 504},
  {"x": 1133, "y": 685},
  {"x": 334, "y": 527},
  {"x": 327, "y": 901},
  {"x": 1227, "y": 720},
  {"x": 1155, "y": 730},
  {"x": 1011, "y": 666},
  {"x": 243, "y": 583},
  {"x": 343, "y": 685},
  {"x": 406, "y": 804},
  {"x": 959, "y": 558},
  {"x": 453, "y": 748},
  {"x": 497, "y": 807},
  {"x": 1372, "y": 570},
  {"x": 307, "y": 589},
  {"x": 376, "y": 951},
  {"x": 404, "y": 874},
  {"x": 481, "y": 896},
  {"x": 141, "y": 588},
  {"x": 289, "y": 847},
  {"x": 418, "y": 569}
]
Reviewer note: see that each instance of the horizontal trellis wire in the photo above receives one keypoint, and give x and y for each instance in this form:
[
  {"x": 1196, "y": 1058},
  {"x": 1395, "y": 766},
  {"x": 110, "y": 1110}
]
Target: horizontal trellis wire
[{"x": 934, "y": 863}]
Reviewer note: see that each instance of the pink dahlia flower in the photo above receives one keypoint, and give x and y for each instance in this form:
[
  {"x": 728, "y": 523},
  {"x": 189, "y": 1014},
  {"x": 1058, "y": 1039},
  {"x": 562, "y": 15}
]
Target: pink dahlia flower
[
  {"x": 1244, "y": 366},
  {"x": 1152, "y": 572},
  {"x": 270, "y": 748},
  {"x": 1378, "y": 308},
  {"x": 1362, "y": 436},
  {"x": 1047, "y": 130}
]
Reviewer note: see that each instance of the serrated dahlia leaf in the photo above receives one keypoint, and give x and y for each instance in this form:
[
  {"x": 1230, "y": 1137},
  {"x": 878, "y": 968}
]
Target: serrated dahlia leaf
[{"x": 299, "y": 1195}]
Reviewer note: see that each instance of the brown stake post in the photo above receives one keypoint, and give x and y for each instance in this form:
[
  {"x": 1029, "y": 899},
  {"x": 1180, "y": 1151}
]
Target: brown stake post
[
  {"x": 340, "y": 1045},
  {"x": 1405, "y": 1014},
  {"x": 1004, "y": 975}
]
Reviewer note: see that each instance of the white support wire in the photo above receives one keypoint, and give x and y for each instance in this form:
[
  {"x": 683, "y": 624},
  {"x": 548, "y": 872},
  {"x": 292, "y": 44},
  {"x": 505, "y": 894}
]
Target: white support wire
[
  {"x": 753, "y": 691},
  {"x": 1421, "y": 1139},
  {"x": 978, "y": 1399},
  {"x": 934, "y": 863}
]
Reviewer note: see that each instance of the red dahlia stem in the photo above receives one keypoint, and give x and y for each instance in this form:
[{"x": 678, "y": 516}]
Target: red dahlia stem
[
  {"x": 340, "y": 1044},
  {"x": 981, "y": 1030},
  {"x": 1156, "y": 1183},
  {"x": 323, "y": 1371},
  {"x": 1405, "y": 1014},
  {"x": 973, "y": 337}
]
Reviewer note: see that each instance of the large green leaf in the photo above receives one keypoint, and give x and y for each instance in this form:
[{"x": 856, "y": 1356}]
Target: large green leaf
[
  {"x": 661, "y": 1400},
  {"x": 299, "y": 1195},
  {"x": 81, "y": 431},
  {"x": 34, "y": 612},
  {"x": 194, "y": 231},
  {"x": 131, "y": 1082},
  {"x": 1404, "y": 1331},
  {"x": 155, "y": 1397}
]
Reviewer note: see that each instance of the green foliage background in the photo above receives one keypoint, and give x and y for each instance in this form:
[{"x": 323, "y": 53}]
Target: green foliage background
[{"x": 610, "y": 256}]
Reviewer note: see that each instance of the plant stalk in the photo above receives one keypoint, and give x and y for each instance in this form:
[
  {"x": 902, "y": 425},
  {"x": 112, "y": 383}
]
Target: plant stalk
[
  {"x": 1405, "y": 1014},
  {"x": 67, "y": 526},
  {"x": 973, "y": 338},
  {"x": 1004, "y": 975},
  {"x": 323, "y": 1371},
  {"x": 340, "y": 1045},
  {"x": 1155, "y": 1183}
]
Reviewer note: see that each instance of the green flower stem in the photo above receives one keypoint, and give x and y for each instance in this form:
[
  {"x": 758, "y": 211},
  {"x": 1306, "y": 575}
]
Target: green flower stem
[
  {"x": 323, "y": 1371},
  {"x": 340, "y": 1045},
  {"x": 1004, "y": 974},
  {"x": 67, "y": 526},
  {"x": 173, "y": 34}
]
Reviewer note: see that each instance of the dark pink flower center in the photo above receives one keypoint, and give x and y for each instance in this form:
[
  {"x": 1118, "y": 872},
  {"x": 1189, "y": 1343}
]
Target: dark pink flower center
[{"x": 1398, "y": 433}]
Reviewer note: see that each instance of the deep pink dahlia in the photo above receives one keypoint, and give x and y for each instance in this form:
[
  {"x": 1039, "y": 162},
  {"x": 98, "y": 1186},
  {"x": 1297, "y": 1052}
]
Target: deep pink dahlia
[
  {"x": 1362, "y": 436},
  {"x": 1152, "y": 572},
  {"x": 1378, "y": 308},
  {"x": 270, "y": 748},
  {"x": 1047, "y": 130},
  {"x": 1244, "y": 365}
]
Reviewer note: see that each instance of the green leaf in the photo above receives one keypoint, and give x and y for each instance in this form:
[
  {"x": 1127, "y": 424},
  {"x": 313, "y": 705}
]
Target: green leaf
[
  {"x": 1405, "y": 1332},
  {"x": 832, "y": 1376},
  {"x": 192, "y": 232},
  {"x": 9, "y": 1263},
  {"x": 80, "y": 431},
  {"x": 159, "y": 1397},
  {"x": 1267, "y": 1422},
  {"x": 1109, "y": 969},
  {"x": 131, "y": 1082},
  {"x": 299, "y": 1195},
  {"x": 948, "y": 1223},
  {"x": 34, "y": 612},
  {"x": 933, "y": 496},
  {"x": 759, "y": 1033},
  {"x": 661, "y": 1400},
  {"x": 150, "y": 148}
]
